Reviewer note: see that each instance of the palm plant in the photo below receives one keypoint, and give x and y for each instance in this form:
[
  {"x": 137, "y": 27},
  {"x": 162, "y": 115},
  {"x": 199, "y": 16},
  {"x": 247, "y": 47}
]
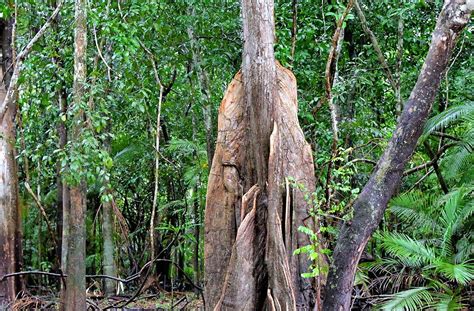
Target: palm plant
[{"x": 432, "y": 267}]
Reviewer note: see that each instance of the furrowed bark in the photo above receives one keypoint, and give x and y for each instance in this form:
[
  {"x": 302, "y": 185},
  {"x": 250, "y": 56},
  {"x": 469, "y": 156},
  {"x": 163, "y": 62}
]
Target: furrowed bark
[
  {"x": 250, "y": 238},
  {"x": 372, "y": 202},
  {"x": 76, "y": 269}
]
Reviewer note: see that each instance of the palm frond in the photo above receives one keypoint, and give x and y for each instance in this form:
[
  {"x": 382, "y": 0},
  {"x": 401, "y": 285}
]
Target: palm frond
[
  {"x": 445, "y": 302},
  {"x": 462, "y": 273},
  {"x": 446, "y": 118},
  {"x": 409, "y": 300},
  {"x": 413, "y": 208},
  {"x": 130, "y": 152},
  {"x": 411, "y": 252},
  {"x": 458, "y": 163},
  {"x": 184, "y": 147},
  {"x": 455, "y": 211},
  {"x": 464, "y": 248}
]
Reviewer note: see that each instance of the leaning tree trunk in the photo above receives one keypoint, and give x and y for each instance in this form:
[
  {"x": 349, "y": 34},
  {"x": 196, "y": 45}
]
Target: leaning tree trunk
[
  {"x": 76, "y": 269},
  {"x": 10, "y": 238},
  {"x": 371, "y": 203},
  {"x": 252, "y": 214}
]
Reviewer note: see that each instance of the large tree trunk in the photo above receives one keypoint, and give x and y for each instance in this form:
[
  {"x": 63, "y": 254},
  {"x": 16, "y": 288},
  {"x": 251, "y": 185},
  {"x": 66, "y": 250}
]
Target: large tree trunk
[
  {"x": 10, "y": 221},
  {"x": 252, "y": 215},
  {"x": 371, "y": 203},
  {"x": 76, "y": 269}
]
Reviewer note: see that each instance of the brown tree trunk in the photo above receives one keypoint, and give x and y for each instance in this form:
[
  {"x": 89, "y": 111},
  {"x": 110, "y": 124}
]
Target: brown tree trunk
[
  {"x": 64, "y": 199},
  {"x": 252, "y": 218},
  {"x": 10, "y": 221},
  {"x": 76, "y": 269},
  {"x": 371, "y": 203}
]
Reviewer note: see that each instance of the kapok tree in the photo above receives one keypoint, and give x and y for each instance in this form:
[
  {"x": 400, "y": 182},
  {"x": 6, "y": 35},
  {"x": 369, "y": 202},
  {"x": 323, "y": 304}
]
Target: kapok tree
[{"x": 252, "y": 214}]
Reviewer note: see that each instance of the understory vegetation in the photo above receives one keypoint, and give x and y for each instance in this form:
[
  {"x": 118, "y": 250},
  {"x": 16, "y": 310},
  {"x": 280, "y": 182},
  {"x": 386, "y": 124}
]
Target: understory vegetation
[{"x": 156, "y": 73}]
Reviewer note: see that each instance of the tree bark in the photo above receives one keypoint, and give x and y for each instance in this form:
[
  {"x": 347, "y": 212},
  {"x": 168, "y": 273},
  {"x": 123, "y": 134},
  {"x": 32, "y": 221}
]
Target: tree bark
[
  {"x": 64, "y": 199},
  {"x": 108, "y": 236},
  {"x": 76, "y": 269},
  {"x": 10, "y": 220},
  {"x": 372, "y": 202},
  {"x": 251, "y": 218},
  {"x": 8, "y": 205}
]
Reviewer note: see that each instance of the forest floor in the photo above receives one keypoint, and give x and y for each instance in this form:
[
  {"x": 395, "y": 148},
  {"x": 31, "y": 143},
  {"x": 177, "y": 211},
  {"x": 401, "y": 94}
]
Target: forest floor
[{"x": 145, "y": 302}]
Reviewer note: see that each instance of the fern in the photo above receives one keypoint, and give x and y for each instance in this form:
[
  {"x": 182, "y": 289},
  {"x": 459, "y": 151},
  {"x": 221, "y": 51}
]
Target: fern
[{"x": 408, "y": 300}]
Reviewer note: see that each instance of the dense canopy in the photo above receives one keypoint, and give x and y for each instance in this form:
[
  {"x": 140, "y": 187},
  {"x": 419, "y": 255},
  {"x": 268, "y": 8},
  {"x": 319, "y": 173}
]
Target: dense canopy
[{"x": 191, "y": 154}]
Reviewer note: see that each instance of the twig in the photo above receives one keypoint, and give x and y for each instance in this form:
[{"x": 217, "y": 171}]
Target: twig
[
  {"x": 421, "y": 180},
  {"x": 434, "y": 160},
  {"x": 99, "y": 52},
  {"x": 444, "y": 135},
  {"x": 93, "y": 304},
  {"x": 430, "y": 163},
  {"x": 6, "y": 276},
  {"x": 179, "y": 301},
  {"x": 43, "y": 212},
  {"x": 368, "y": 161}
]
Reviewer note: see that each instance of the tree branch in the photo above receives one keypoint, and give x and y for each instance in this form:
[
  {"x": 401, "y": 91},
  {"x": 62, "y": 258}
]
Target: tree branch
[{"x": 10, "y": 97}]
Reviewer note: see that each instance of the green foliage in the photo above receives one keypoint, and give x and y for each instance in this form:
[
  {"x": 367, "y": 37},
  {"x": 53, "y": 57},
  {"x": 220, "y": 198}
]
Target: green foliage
[
  {"x": 424, "y": 240},
  {"x": 433, "y": 250}
]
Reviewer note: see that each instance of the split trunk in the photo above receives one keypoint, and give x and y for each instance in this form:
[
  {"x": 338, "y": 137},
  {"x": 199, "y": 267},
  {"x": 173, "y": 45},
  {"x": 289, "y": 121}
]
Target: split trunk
[{"x": 252, "y": 212}]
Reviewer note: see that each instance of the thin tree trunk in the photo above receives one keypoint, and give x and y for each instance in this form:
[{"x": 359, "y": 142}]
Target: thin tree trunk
[
  {"x": 439, "y": 175},
  {"x": 294, "y": 30},
  {"x": 331, "y": 77},
  {"x": 76, "y": 255},
  {"x": 63, "y": 190},
  {"x": 108, "y": 237},
  {"x": 205, "y": 92},
  {"x": 8, "y": 205},
  {"x": 154, "y": 215},
  {"x": 372, "y": 202},
  {"x": 196, "y": 215},
  {"x": 10, "y": 220}
]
